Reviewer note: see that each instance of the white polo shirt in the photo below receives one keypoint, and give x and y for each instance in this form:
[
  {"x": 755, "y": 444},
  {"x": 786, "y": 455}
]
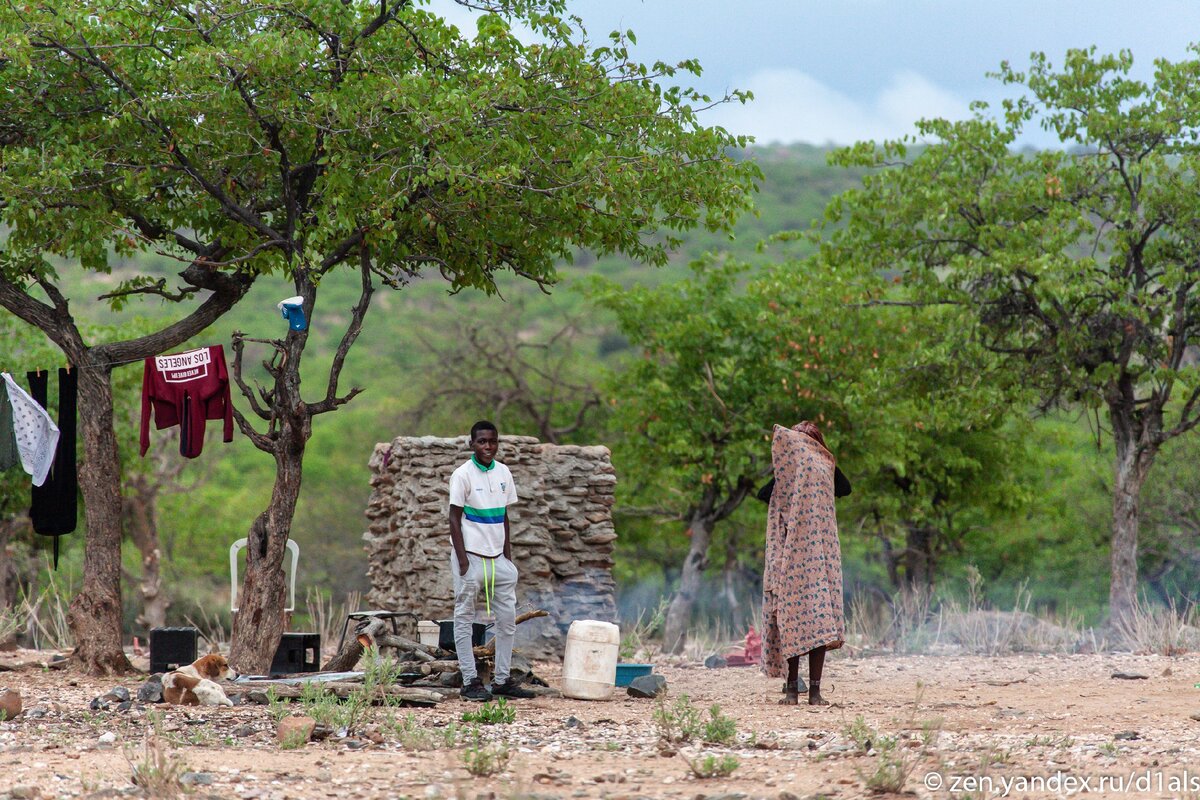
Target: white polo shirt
[{"x": 483, "y": 495}]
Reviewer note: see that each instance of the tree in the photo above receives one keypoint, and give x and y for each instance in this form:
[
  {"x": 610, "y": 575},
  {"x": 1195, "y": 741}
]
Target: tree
[
  {"x": 372, "y": 135},
  {"x": 1080, "y": 264},
  {"x": 735, "y": 349},
  {"x": 524, "y": 382}
]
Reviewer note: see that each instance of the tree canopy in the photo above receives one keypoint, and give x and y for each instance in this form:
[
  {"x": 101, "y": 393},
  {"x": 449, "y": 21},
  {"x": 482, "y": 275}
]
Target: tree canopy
[{"x": 1080, "y": 264}]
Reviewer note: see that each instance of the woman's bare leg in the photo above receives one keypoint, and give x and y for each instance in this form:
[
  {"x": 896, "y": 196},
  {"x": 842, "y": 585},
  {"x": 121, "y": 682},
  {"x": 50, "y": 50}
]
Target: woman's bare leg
[
  {"x": 791, "y": 695},
  {"x": 816, "y": 665}
]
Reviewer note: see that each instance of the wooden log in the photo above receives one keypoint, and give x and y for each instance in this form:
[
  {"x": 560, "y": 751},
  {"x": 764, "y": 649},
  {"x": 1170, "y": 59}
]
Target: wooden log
[
  {"x": 348, "y": 657},
  {"x": 434, "y": 667},
  {"x": 418, "y": 650}
]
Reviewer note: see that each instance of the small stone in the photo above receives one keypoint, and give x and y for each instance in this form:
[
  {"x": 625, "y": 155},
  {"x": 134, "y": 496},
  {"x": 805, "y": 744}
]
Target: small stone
[
  {"x": 25, "y": 793},
  {"x": 196, "y": 779},
  {"x": 1196, "y": 716},
  {"x": 574, "y": 722},
  {"x": 715, "y": 661},
  {"x": 120, "y": 694},
  {"x": 1130, "y": 676},
  {"x": 786, "y": 795},
  {"x": 151, "y": 691},
  {"x": 242, "y": 731},
  {"x": 647, "y": 686},
  {"x": 294, "y": 729},
  {"x": 1127, "y": 736},
  {"x": 258, "y": 696},
  {"x": 125, "y": 705},
  {"x": 108, "y": 737},
  {"x": 433, "y": 790},
  {"x": 10, "y": 704}
]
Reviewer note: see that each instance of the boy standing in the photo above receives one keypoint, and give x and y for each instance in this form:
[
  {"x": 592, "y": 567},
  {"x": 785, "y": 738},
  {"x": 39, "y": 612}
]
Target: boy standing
[{"x": 480, "y": 492}]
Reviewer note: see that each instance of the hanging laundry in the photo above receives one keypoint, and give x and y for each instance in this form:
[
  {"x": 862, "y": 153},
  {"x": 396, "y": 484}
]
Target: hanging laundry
[
  {"x": 55, "y": 508},
  {"x": 186, "y": 389},
  {"x": 10, "y": 456},
  {"x": 37, "y": 435}
]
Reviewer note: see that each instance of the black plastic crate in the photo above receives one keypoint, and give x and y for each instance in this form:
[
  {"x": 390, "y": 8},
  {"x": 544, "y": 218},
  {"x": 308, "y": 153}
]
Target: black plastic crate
[
  {"x": 172, "y": 648},
  {"x": 297, "y": 652}
]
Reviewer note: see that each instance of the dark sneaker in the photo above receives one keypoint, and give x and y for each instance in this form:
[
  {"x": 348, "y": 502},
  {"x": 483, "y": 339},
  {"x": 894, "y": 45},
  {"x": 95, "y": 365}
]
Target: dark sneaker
[
  {"x": 475, "y": 690},
  {"x": 511, "y": 688}
]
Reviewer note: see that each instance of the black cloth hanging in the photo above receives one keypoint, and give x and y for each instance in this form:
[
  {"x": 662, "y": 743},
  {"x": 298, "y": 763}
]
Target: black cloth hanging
[{"x": 55, "y": 509}]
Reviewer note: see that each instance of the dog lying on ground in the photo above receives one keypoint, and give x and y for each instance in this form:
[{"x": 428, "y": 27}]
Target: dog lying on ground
[{"x": 195, "y": 684}]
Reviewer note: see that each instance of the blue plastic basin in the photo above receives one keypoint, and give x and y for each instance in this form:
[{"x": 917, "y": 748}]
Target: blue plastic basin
[{"x": 627, "y": 672}]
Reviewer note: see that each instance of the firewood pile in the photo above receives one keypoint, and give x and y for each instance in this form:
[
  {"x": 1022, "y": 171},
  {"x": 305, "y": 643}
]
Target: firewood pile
[{"x": 427, "y": 674}]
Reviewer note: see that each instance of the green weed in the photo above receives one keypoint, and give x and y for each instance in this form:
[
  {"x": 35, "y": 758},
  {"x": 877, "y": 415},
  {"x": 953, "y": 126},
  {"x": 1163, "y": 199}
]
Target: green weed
[
  {"x": 712, "y": 766},
  {"x": 493, "y": 712}
]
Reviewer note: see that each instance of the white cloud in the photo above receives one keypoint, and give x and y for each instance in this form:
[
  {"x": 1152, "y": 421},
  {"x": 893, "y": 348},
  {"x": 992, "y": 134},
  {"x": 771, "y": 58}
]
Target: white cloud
[{"x": 792, "y": 106}]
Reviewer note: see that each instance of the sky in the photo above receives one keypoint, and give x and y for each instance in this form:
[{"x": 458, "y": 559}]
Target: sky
[{"x": 839, "y": 71}]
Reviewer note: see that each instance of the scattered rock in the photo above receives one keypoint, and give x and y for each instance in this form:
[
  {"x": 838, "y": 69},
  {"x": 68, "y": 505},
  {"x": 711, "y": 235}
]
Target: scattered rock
[
  {"x": 1128, "y": 736},
  {"x": 10, "y": 703},
  {"x": 242, "y": 731},
  {"x": 648, "y": 686},
  {"x": 258, "y": 696},
  {"x": 292, "y": 729},
  {"x": 108, "y": 737},
  {"x": 151, "y": 691},
  {"x": 1130, "y": 676},
  {"x": 575, "y": 722},
  {"x": 1196, "y": 716},
  {"x": 786, "y": 795},
  {"x": 715, "y": 661},
  {"x": 196, "y": 779},
  {"x": 25, "y": 793},
  {"x": 109, "y": 699}
]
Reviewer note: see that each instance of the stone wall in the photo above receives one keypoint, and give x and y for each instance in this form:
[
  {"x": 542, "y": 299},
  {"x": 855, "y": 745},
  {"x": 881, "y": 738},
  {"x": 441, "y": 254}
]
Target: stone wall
[{"x": 561, "y": 527}]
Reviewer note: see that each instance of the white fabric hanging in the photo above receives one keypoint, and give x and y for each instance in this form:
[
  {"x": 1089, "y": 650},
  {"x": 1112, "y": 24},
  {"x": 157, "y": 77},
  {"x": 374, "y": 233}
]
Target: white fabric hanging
[{"x": 37, "y": 435}]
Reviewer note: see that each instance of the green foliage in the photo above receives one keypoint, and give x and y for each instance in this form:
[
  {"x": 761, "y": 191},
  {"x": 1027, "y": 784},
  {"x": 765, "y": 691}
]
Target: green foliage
[
  {"x": 718, "y": 728},
  {"x": 484, "y": 759},
  {"x": 493, "y": 712},
  {"x": 412, "y": 735},
  {"x": 1077, "y": 265},
  {"x": 679, "y": 721},
  {"x": 713, "y": 766}
]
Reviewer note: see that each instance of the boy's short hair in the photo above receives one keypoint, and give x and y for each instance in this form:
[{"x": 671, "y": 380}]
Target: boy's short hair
[{"x": 483, "y": 425}]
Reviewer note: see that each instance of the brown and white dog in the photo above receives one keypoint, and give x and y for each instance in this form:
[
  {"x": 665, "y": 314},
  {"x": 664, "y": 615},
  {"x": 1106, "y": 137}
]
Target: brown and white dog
[{"x": 194, "y": 685}]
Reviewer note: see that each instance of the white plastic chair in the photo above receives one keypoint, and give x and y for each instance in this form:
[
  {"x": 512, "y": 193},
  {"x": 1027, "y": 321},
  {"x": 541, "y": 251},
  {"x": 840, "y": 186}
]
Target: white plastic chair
[{"x": 292, "y": 547}]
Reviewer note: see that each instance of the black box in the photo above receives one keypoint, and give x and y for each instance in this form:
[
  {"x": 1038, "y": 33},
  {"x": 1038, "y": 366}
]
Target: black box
[
  {"x": 298, "y": 652},
  {"x": 172, "y": 648},
  {"x": 446, "y": 634}
]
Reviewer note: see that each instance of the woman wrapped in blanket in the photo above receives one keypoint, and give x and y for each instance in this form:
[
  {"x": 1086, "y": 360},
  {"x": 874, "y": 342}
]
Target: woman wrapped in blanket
[{"x": 802, "y": 579}]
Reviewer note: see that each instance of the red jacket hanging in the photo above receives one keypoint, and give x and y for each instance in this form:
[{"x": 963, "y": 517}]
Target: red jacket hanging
[{"x": 186, "y": 389}]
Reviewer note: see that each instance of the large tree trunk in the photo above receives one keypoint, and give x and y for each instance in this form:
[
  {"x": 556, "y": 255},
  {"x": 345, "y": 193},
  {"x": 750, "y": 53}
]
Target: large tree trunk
[
  {"x": 259, "y": 623},
  {"x": 141, "y": 514},
  {"x": 95, "y": 612},
  {"x": 679, "y": 613},
  {"x": 1129, "y": 473},
  {"x": 919, "y": 561}
]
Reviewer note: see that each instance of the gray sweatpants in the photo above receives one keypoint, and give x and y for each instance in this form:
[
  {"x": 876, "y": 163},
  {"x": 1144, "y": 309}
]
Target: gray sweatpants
[{"x": 500, "y": 575}]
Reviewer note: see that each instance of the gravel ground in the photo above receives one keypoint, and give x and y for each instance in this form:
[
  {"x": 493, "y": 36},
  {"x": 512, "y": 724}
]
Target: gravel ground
[{"x": 934, "y": 727}]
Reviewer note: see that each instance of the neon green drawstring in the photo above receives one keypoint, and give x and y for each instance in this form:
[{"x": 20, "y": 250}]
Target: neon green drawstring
[{"x": 489, "y": 587}]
